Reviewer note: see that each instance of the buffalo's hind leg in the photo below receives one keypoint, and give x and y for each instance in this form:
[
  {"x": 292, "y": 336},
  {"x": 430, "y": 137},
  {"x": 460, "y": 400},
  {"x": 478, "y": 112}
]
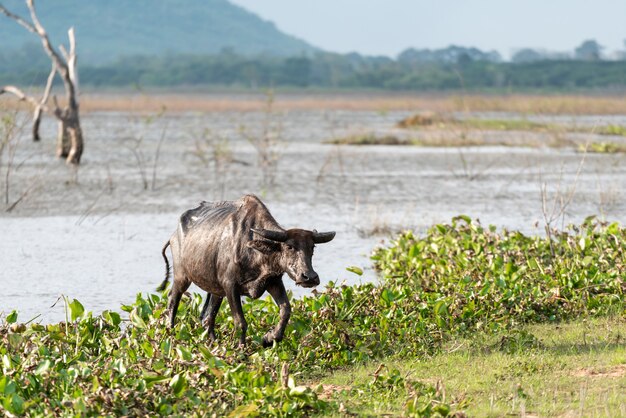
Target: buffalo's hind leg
[
  {"x": 180, "y": 283},
  {"x": 178, "y": 289},
  {"x": 209, "y": 313},
  {"x": 205, "y": 307},
  {"x": 279, "y": 294}
]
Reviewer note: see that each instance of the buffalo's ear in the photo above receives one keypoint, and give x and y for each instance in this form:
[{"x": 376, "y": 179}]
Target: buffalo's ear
[{"x": 264, "y": 246}]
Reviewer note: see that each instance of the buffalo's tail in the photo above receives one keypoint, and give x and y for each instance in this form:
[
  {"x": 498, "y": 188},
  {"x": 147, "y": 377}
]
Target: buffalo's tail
[{"x": 167, "y": 269}]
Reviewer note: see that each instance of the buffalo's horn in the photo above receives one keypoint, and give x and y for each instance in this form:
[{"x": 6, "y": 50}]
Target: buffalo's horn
[
  {"x": 322, "y": 237},
  {"x": 280, "y": 236}
]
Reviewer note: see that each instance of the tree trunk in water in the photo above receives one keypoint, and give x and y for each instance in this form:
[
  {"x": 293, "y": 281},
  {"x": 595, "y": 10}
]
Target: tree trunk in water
[
  {"x": 70, "y": 140},
  {"x": 70, "y": 135},
  {"x": 76, "y": 142},
  {"x": 63, "y": 140}
]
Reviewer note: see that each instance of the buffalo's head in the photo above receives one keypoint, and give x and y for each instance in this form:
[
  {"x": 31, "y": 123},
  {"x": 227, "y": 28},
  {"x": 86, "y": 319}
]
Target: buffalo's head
[{"x": 291, "y": 251}]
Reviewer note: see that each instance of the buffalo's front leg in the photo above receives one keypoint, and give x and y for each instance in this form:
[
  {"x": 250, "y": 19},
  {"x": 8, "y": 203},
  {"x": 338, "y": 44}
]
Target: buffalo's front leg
[
  {"x": 234, "y": 300},
  {"x": 278, "y": 292},
  {"x": 210, "y": 309}
]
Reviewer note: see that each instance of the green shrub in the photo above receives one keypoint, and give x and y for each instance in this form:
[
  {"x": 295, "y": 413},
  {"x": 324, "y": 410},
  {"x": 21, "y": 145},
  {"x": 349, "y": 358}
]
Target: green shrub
[
  {"x": 456, "y": 280},
  {"x": 466, "y": 278}
]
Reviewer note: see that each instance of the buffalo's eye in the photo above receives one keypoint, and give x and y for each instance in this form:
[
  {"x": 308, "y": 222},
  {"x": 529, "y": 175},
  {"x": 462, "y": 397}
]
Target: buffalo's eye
[{"x": 289, "y": 247}]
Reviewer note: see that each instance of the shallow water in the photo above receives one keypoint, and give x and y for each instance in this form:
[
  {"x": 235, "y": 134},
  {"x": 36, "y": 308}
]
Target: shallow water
[
  {"x": 105, "y": 262},
  {"x": 96, "y": 235}
]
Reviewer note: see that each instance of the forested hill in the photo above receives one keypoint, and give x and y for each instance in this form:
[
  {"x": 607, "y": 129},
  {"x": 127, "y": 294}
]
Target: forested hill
[{"x": 109, "y": 29}]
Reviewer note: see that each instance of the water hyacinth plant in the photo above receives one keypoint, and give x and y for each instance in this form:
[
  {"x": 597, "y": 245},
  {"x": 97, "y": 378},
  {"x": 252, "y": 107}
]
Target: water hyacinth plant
[{"x": 458, "y": 280}]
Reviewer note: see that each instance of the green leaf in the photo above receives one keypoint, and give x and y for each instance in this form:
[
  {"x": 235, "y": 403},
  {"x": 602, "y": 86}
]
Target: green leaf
[
  {"x": 388, "y": 296},
  {"x": 441, "y": 308},
  {"x": 17, "y": 404},
  {"x": 43, "y": 367},
  {"x": 137, "y": 320},
  {"x": 147, "y": 348},
  {"x": 183, "y": 353},
  {"x": 356, "y": 270},
  {"x": 6, "y": 362},
  {"x": 443, "y": 410},
  {"x": 15, "y": 340},
  {"x": 466, "y": 218},
  {"x": 119, "y": 366},
  {"x": 9, "y": 386},
  {"x": 152, "y": 378},
  {"x": 113, "y": 318},
  {"x": 250, "y": 410},
  {"x": 76, "y": 309},
  {"x": 298, "y": 390},
  {"x": 12, "y": 317},
  {"x": 178, "y": 384}
]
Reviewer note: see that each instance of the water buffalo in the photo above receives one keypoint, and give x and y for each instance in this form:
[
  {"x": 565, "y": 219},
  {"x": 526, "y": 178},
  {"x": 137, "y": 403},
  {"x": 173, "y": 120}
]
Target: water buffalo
[{"x": 230, "y": 249}]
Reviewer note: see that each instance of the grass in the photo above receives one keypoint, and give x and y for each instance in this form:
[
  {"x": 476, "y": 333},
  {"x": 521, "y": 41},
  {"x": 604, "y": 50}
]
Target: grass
[
  {"x": 429, "y": 121},
  {"x": 441, "y": 121},
  {"x": 612, "y": 130},
  {"x": 444, "y": 141},
  {"x": 602, "y": 148},
  {"x": 372, "y": 139},
  {"x": 507, "y": 125},
  {"x": 569, "y": 369},
  {"x": 462, "y": 314},
  {"x": 525, "y": 104}
]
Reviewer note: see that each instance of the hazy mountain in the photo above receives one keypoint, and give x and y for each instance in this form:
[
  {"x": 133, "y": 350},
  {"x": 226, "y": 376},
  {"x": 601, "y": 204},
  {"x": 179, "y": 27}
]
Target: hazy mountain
[{"x": 112, "y": 28}]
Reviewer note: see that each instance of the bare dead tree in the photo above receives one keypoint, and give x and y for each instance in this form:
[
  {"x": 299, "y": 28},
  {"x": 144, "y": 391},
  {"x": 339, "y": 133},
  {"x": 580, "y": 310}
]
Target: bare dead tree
[{"x": 70, "y": 136}]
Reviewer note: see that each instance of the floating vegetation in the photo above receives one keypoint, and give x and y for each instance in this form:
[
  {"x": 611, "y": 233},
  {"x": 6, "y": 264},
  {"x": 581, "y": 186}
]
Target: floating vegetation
[{"x": 458, "y": 280}]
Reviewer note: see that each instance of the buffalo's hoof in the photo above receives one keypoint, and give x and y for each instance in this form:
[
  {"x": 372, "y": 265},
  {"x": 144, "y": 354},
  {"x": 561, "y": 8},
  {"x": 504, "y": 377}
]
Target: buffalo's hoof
[{"x": 267, "y": 342}]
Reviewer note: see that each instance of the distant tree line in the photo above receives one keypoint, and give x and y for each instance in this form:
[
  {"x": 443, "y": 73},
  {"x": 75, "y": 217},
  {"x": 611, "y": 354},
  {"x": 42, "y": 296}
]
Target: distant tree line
[{"x": 444, "y": 69}]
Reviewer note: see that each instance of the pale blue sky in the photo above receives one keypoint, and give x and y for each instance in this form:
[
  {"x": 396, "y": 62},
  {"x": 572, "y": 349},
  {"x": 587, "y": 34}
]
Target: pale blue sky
[{"x": 389, "y": 26}]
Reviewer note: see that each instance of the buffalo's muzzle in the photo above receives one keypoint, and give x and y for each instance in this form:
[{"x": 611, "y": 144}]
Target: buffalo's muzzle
[{"x": 310, "y": 279}]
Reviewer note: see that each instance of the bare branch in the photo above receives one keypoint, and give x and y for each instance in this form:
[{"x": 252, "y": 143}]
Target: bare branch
[
  {"x": 42, "y": 104},
  {"x": 39, "y": 30},
  {"x": 46, "y": 92},
  {"x": 66, "y": 56},
  {"x": 71, "y": 61},
  {"x": 18, "y": 19},
  {"x": 19, "y": 93}
]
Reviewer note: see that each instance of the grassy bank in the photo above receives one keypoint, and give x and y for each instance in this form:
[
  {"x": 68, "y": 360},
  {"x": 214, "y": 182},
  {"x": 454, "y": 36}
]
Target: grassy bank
[
  {"x": 462, "y": 291},
  {"x": 571, "y": 369}
]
